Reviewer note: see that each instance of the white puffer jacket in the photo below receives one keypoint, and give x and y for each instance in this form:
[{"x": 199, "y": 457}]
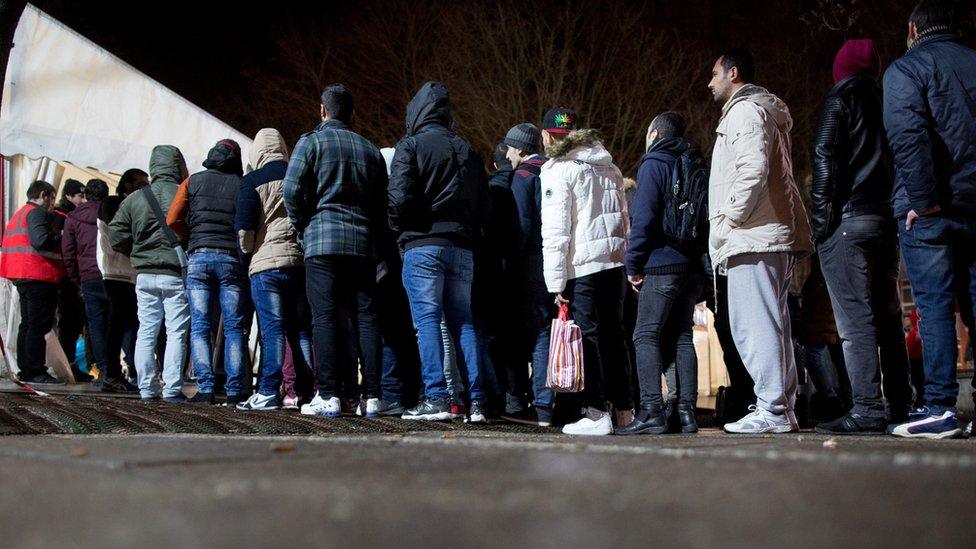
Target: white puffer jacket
[
  {"x": 584, "y": 212},
  {"x": 754, "y": 205}
]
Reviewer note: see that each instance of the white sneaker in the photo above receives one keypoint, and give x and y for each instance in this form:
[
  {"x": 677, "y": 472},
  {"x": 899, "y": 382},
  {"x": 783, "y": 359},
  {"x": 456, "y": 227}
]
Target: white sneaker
[
  {"x": 759, "y": 421},
  {"x": 257, "y": 401},
  {"x": 372, "y": 407},
  {"x": 594, "y": 423},
  {"x": 321, "y": 407}
]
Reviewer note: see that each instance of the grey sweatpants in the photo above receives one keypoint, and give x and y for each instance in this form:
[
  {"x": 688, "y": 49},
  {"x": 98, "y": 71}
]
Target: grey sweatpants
[{"x": 760, "y": 319}]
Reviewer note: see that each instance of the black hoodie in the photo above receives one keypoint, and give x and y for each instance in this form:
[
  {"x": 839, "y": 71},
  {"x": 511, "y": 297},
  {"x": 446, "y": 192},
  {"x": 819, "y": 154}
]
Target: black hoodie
[
  {"x": 438, "y": 187},
  {"x": 212, "y": 196}
]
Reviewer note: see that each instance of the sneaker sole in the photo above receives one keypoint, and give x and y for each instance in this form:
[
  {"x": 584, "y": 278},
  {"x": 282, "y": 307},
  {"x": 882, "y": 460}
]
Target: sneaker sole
[
  {"x": 601, "y": 434},
  {"x": 820, "y": 431},
  {"x": 955, "y": 433},
  {"x": 443, "y": 416},
  {"x": 772, "y": 431},
  {"x": 258, "y": 409},
  {"x": 392, "y": 413},
  {"x": 520, "y": 421},
  {"x": 645, "y": 431}
]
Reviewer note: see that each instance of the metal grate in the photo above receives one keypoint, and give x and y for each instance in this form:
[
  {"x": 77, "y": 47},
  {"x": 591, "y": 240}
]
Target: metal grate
[{"x": 22, "y": 414}]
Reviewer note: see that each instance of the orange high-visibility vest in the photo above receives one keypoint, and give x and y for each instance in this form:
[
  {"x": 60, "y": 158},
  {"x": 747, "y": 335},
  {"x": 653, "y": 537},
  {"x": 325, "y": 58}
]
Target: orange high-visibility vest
[{"x": 20, "y": 261}]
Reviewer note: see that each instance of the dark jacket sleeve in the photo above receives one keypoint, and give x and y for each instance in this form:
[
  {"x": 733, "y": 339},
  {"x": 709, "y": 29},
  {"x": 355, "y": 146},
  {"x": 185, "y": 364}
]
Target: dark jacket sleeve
[
  {"x": 645, "y": 221},
  {"x": 42, "y": 238},
  {"x": 300, "y": 166},
  {"x": 406, "y": 193},
  {"x": 69, "y": 250},
  {"x": 525, "y": 191},
  {"x": 379, "y": 182},
  {"x": 825, "y": 167},
  {"x": 248, "y": 206},
  {"x": 907, "y": 125},
  {"x": 120, "y": 233}
]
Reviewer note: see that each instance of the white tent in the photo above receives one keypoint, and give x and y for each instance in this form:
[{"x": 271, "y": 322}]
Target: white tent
[{"x": 70, "y": 109}]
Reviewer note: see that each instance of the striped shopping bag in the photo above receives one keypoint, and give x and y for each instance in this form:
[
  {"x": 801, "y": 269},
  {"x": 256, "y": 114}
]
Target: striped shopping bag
[{"x": 565, "y": 370}]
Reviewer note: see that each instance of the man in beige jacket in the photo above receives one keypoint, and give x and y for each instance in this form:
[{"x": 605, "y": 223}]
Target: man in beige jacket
[{"x": 758, "y": 228}]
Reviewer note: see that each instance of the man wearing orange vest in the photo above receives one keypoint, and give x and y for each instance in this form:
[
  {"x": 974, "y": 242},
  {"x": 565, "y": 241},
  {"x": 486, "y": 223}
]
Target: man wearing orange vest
[{"x": 31, "y": 258}]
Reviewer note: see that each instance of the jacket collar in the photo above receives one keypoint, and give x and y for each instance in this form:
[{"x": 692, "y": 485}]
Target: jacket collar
[
  {"x": 937, "y": 35},
  {"x": 744, "y": 91},
  {"x": 332, "y": 124}
]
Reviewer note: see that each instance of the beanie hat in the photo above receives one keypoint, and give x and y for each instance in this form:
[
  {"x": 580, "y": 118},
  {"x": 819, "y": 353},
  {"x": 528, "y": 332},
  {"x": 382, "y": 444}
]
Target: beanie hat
[
  {"x": 524, "y": 137},
  {"x": 72, "y": 187},
  {"x": 856, "y": 56}
]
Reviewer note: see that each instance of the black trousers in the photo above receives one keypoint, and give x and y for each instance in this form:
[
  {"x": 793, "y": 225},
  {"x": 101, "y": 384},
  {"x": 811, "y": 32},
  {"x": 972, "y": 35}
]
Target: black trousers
[
  {"x": 71, "y": 319},
  {"x": 596, "y": 304},
  {"x": 339, "y": 288},
  {"x": 38, "y": 301},
  {"x": 110, "y": 307},
  {"x": 665, "y": 319}
]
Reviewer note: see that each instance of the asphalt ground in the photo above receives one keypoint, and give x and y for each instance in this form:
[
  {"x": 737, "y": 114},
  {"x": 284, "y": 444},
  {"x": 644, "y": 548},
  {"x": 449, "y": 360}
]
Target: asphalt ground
[{"x": 492, "y": 487}]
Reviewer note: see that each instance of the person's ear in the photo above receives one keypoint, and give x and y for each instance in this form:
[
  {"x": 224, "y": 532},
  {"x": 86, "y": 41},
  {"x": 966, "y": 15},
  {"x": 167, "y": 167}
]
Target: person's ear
[
  {"x": 733, "y": 74},
  {"x": 322, "y": 111}
]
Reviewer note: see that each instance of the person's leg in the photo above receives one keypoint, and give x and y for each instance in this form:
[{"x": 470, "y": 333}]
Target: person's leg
[
  {"x": 125, "y": 312},
  {"x": 423, "y": 279},
  {"x": 118, "y": 324},
  {"x": 150, "y": 309},
  {"x": 267, "y": 288},
  {"x": 234, "y": 305},
  {"x": 582, "y": 294},
  {"x": 539, "y": 313},
  {"x": 657, "y": 296},
  {"x": 177, "y": 311},
  {"x": 38, "y": 301},
  {"x": 452, "y": 376},
  {"x": 929, "y": 256},
  {"x": 200, "y": 284},
  {"x": 298, "y": 329},
  {"x": 367, "y": 303},
  {"x": 71, "y": 317},
  {"x": 457, "y": 310},
  {"x": 613, "y": 350},
  {"x": 896, "y": 377},
  {"x": 681, "y": 321},
  {"x": 97, "y": 313},
  {"x": 741, "y": 390},
  {"x": 321, "y": 278},
  {"x": 760, "y": 325}
]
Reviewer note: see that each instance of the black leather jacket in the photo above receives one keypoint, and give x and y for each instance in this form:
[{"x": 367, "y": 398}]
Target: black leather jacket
[{"x": 851, "y": 160}]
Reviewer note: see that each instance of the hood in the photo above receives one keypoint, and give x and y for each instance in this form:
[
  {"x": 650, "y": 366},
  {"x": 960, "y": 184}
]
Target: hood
[
  {"x": 671, "y": 146},
  {"x": 166, "y": 164},
  {"x": 268, "y": 146},
  {"x": 854, "y": 57},
  {"x": 87, "y": 212},
  {"x": 583, "y": 145},
  {"x": 431, "y": 106},
  {"x": 225, "y": 156},
  {"x": 773, "y": 105}
]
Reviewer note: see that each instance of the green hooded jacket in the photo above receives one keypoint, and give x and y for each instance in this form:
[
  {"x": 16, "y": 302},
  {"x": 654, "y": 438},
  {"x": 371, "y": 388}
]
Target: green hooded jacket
[{"x": 134, "y": 229}]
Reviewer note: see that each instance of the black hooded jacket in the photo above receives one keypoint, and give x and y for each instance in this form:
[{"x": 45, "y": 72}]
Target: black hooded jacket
[
  {"x": 438, "y": 190},
  {"x": 212, "y": 197}
]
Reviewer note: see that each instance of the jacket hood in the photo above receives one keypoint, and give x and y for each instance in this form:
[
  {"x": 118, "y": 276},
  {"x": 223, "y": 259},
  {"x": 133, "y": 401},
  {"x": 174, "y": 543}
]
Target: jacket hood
[
  {"x": 166, "y": 164},
  {"x": 583, "y": 145},
  {"x": 268, "y": 146},
  {"x": 430, "y": 106},
  {"x": 672, "y": 146},
  {"x": 87, "y": 212},
  {"x": 225, "y": 156},
  {"x": 773, "y": 105},
  {"x": 854, "y": 57}
]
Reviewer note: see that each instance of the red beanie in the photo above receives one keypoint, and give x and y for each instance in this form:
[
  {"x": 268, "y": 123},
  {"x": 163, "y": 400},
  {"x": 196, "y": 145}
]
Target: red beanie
[{"x": 855, "y": 56}]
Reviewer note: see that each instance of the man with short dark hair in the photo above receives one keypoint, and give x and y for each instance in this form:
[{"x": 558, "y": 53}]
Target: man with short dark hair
[
  {"x": 929, "y": 95},
  {"x": 31, "y": 259},
  {"x": 758, "y": 227},
  {"x": 438, "y": 206},
  {"x": 669, "y": 279},
  {"x": 857, "y": 242},
  {"x": 335, "y": 195}
]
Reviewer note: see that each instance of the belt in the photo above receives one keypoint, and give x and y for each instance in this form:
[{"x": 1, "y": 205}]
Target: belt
[{"x": 216, "y": 251}]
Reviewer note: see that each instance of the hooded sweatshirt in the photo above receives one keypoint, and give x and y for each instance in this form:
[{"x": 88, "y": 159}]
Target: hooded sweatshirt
[
  {"x": 134, "y": 229},
  {"x": 205, "y": 204},
  {"x": 79, "y": 243},
  {"x": 754, "y": 205},
  {"x": 584, "y": 212},
  {"x": 438, "y": 187},
  {"x": 262, "y": 224}
]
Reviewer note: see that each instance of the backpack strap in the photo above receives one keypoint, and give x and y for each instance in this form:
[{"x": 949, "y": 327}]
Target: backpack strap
[{"x": 174, "y": 240}]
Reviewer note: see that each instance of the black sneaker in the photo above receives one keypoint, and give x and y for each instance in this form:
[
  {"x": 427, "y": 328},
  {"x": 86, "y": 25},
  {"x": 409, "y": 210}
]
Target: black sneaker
[
  {"x": 118, "y": 386},
  {"x": 648, "y": 421},
  {"x": 42, "y": 379},
  {"x": 429, "y": 410},
  {"x": 853, "y": 424},
  {"x": 687, "y": 422},
  {"x": 233, "y": 400},
  {"x": 536, "y": 417},
  {"x": 476, "y": 413},
  {"x": 80, "y": 377},
  {"x": 202, "y": 398},
  {"x": 175, "y": 399},
  {"x": 390, "y": 408}
]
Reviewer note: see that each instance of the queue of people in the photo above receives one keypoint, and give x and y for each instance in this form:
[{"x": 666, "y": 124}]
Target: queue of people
[{"x": 338, "y": 247}]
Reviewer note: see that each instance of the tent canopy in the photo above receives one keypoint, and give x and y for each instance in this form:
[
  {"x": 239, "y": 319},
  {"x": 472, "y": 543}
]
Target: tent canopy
[{"x": 67, "y": 99}]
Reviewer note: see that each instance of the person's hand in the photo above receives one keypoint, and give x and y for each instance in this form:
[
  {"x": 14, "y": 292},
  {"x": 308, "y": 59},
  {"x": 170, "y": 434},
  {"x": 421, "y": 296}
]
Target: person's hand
[
  {"x": 560, "y": 300},
  {"x": 913, "y": 215},
  {"x": 635, "y": 281}
]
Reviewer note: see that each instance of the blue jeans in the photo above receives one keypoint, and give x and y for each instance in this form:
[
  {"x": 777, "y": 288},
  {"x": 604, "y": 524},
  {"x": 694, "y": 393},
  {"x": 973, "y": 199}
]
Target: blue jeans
[
  {"x": 940, "y": 260},
  {"x": 283, "y": 316},
  {"x": 161, "y": 297},
  {"x": 438, "y": 283},
  {"x": 220, "y": 275},
  {"x": 534, "y": 309}
]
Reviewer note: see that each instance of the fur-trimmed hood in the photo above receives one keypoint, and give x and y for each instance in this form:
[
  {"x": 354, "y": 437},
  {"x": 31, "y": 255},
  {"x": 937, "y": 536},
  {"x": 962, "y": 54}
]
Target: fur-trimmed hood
[{"x": 584, "y": 145}]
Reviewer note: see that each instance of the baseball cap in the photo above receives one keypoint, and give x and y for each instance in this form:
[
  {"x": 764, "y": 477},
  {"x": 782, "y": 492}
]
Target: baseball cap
[{"x": 559, "y": 120}]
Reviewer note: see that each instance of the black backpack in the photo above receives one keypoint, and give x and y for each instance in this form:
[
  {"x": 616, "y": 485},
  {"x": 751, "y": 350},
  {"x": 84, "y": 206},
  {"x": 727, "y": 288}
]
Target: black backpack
[{"x": 685, "y": 220}]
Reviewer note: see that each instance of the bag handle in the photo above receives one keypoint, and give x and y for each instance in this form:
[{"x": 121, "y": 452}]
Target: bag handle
[
  {"x": 563, "y": 312},
  {"x": 174, "y": 240}
]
